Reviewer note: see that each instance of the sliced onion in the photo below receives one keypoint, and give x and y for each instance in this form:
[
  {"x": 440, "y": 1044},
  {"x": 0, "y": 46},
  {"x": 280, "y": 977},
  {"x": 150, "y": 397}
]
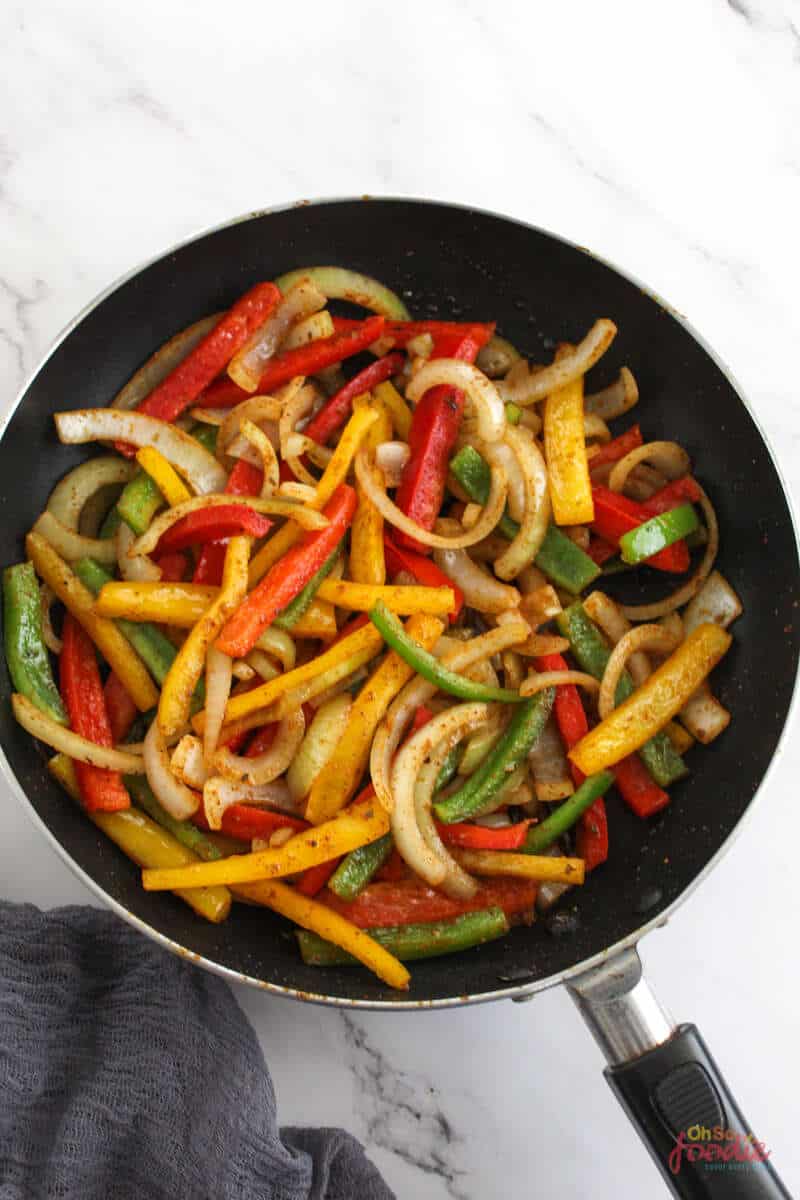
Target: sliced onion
[
  {"x": 539, "y": 644},
  {"x": 540, "y": 606},
  {"x": 71, "y": 493},
  {"x": 595, "y": 427},
  {"x": 293, "y": 445},
  {"x": 303, "y": 493},
  {"x": 502, "y": 454},
  {"x": 262, "y": 664},
  {"x": 261, "y": 410},
  {"x": 492, "y": 511},
  {"x": 614, "y": 400},
  {"x": 209, "y": 416},
  {"x": 551, "y": 775},
  {"x": 323, "y": 736},
  {"x": 484, "y": 404},
  {"x": 71, "y": 545},
  {"x": 418, "y": 691},
  {"x": 52, "y": 734},
  {"x": 481, "y": 590},
  {"x": 608, "y": 615},
  {"x": 47, "y": 598},
  {"x": 651, "y": 612},
  {"x": 642, "y": 637},
  {"x": 134, "y": 567},
  {"x": 187, "y": 762},
  {"x": 449, "y": 728},
  {"x": 547, "y": 679},
  {"x": 526, "y": 545},
  {"x": 279, "y": 643},
  {"x": 339, "y": 283},
  {"x": 173, "y": 796},
  {"x": 310, "y": 329},
  {"x": 568, "y": 367},
  {"x": 456, "y": 883},
  {"x": 193, "y": 461},
  {"x": 497, "y": 357},
  {"x": 704, "y": 716},
  {"x": 219, "y": 794},
  {"x": 306, "y": 517},
  {"x": 391, "y": 459},
  {"x": 219, "y": 674},
  {"x": 242, "y": 670},
  {"x": 273, "y": 762},
  {"x": 163, "y": 362},
  {"x": 716, "y": 602},
  {"x": 247, "y": 365},
  {"x": 265, "y": 450},
  {"x": 670, "y": 458}
]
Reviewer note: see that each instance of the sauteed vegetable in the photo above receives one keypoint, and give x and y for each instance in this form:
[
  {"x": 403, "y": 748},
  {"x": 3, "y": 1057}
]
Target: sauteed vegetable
[{"x": 329, "y": 621}]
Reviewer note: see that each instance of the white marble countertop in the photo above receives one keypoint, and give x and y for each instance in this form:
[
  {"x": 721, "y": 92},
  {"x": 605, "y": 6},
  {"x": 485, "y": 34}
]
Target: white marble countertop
[{"x": 665, "y": 137}]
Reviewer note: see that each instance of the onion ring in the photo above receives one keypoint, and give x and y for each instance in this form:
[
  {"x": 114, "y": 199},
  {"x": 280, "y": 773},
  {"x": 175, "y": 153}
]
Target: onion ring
[
  {"x": 567, "y": 368},
  {"x": 481, "y": 590},
  {"x": 614, "y": 400},
  {"x": 71, "y": 545},
  {"x": 47, "y": 598},
  {"x": 536, "y": 518},
  {"x": 247, "y": 365},
  {"x": 266, "y": 767},
  {"x": 547, "y": 679},
  {"x": 643, "y": 637},
  {"x": 485, "y": 404},
  {"x": 305, "y": 517},
  {"x": 670, "y": 458},
  {"x": 37, "y": 723},
  {"x": 134, "y": 567},
  {"x": 163, "y": 362},
  {"x": 71, "y": 493}
]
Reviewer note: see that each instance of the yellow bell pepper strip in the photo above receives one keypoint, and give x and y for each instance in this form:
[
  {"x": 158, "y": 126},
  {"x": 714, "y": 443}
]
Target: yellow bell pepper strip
[
  {"x": 176, "y": 694},
  {"x": 565, "y": 452},
  {"x": 146, "y": 843},
  {"x": 367, "y": 564},
  {"x": 402, "y": 599},
  {"x": 388, "y": 394},
  {"x": 116, "y": 649},
  {"x": 318, "y": 621},
  {"x": 335, "y": 473},
  {"x": 163, "y": 475},
  {"x": 359, "y": 647},
  {"x": 653, "y": 705},
  {"x": 524, "y": 866},
  {"x": 361, "y": 824},
  {"x": 338, "y": 780},
  {"x": 329, "y": 925}
]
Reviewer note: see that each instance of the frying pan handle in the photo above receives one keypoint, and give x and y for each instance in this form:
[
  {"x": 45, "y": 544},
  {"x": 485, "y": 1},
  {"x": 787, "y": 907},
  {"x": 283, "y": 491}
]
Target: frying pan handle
[{"x": 672, "y": 1089}]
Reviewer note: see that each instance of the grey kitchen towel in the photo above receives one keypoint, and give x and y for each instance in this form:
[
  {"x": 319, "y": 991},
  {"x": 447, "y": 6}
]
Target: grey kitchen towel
[{"x": 125, "y": 1072}]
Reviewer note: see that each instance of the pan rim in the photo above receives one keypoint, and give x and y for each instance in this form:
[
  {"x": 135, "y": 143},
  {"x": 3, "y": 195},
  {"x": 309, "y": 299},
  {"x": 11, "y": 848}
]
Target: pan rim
[{"x": 515, "y": 991}]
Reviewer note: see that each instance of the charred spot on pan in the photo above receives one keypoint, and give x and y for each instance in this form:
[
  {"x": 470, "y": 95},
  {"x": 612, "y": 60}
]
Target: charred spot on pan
[
  {"x": 562, "y": 923},
  {"x": 650, "y": 898}
]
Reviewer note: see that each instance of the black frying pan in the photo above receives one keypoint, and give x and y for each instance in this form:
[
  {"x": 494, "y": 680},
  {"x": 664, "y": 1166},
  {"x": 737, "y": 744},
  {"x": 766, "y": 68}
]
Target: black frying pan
[{"x": 449, "y": 261}]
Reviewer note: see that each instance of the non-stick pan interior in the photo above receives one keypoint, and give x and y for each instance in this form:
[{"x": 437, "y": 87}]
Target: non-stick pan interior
[{"x": 452, "y": 262}]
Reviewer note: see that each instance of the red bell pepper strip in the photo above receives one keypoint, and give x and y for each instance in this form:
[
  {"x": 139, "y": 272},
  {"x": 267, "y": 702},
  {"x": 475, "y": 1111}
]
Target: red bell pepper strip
[
  {"x": 615, "y": 514},
  {"x": 638, "y": 788},
  {"x": 184, "y": 384},
  {"x": 261, "y": 741},
  {"x": 480, "y": 837},
  {"x": 334, "y": 413},
  {"x": 222, "y": 393},
  {"x": 402, "y": 332},
  {"x": 393, "y": 869},
  {"x": 600, "y": 551},
  {"x": 313, "y": 879},
  {"x": 431, "y": 439},
  {"x": 245, "y": 822},
  {"x": 573, "y": 724},
  {"x": 617, "y": 448},
  {"x": 410, "y": 900},
  {"x": 244, "y": 480},
  {"x": 172, "y": 566},
  {"x": 591, "y": 837},
  {"x": 679, "y": 491},
  {"x": 82, "y": 693},
  {"x": 122, "y": 712},
  {"x": 421, "y": 717},
  {"x": 288, "y": 576},
  {"x": 424, "y": 571},
  {"x": 303, "y": 360},
  {"x": 212, "y": 524}
]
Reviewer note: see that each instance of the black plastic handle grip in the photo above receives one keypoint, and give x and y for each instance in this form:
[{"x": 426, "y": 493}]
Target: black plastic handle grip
[{"x": 678, "y": 1100}]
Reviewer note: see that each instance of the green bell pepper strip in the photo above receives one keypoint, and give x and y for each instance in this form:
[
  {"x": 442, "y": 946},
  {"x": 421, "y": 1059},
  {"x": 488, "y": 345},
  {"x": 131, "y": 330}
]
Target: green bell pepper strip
[
  {"x": 206, "y": 435},
  {"x": 513, "y": 414},
  {"x": 111, "y": 523},
  {"x": 559, "y": 558},
  {"x": 656, "y": 534},
  {"x": 586, "y": 643},
  {"x": 429, "y": 667},
  {"x": 357, "y": 868},
  {"x": 565, "y": 816},
  {"x": 139, "y": 502},
  {"x": 296, "y": 608},
  {"x": 517, "y": 742},
  {"x": 409, "y": 942},
  {"x": 694, "y": 540},
  {"x": 449, "y": 768},
  {"x": 26, "y": 653},
  {"x": 186, "y": 833}
]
